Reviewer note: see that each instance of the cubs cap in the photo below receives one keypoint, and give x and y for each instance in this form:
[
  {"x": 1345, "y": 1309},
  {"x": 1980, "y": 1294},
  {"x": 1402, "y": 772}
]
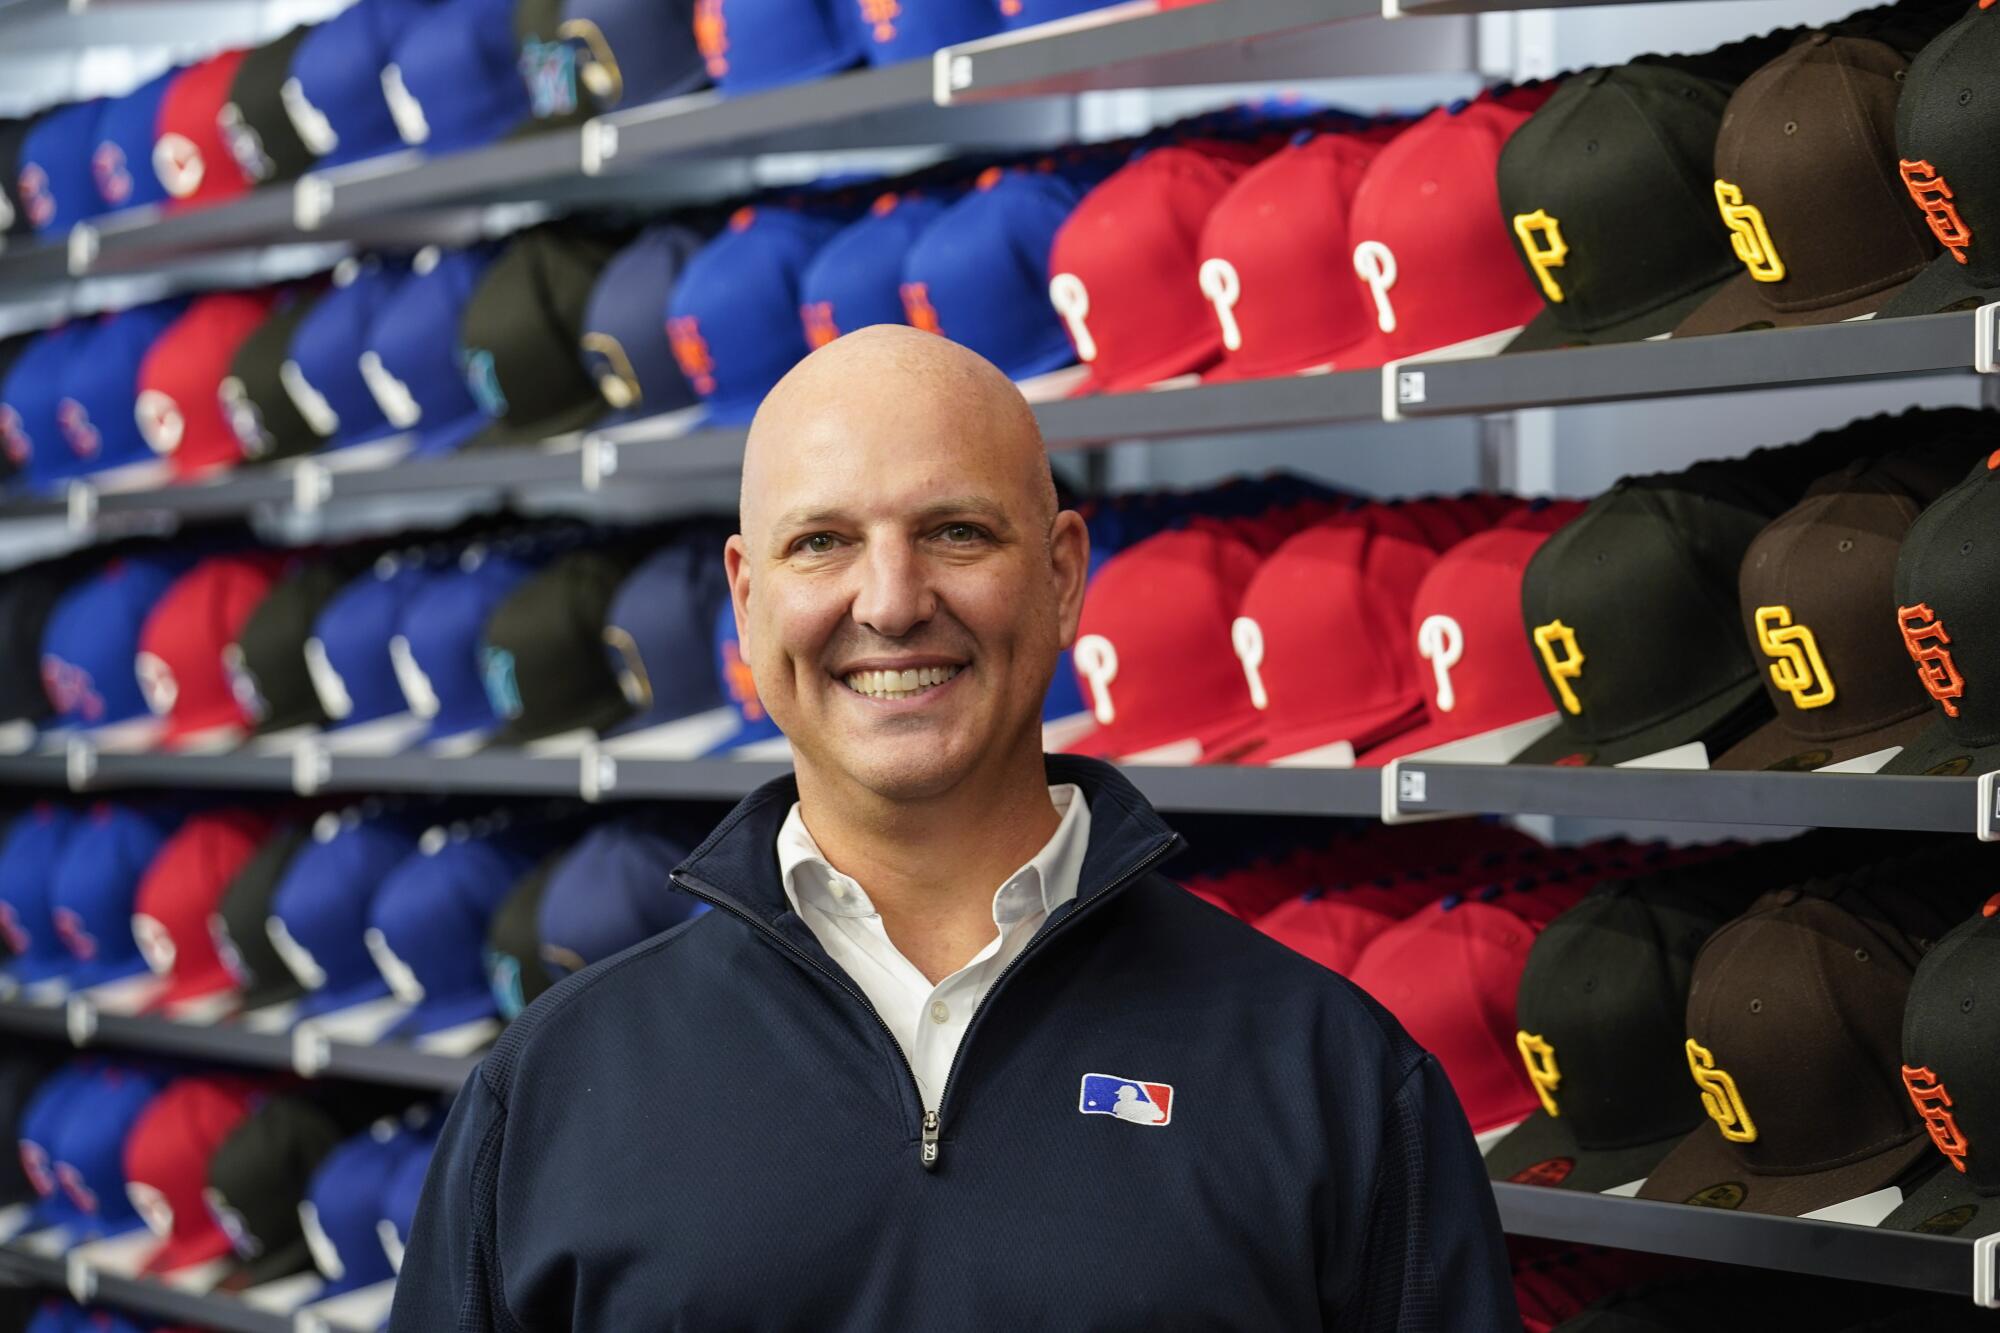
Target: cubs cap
[
  {"x": 856, "y": 278},
  {"x": 237, "y": 926},
  {"x": 334, "y": 93},
  {"x": 514, "y": 968},
  {"x": 122, "y": 161},
  {"x": 451, "y": 81},
  {"x": 1806, "y": 181},
  {"x": 13, "y": 210},
  {"x": 88, "y": 1154},
  {"x": 435, "y": 650},
  {"x": 28, "y": 597},
  {"x": 259, "y": 408},
  {"x": 180, "y": 661},
  {"x": 411, "y": 362},
  {"x": 22, "y": 1073},
  {"x": 322, "y": 370},
  {"x": 181, "y": 890},
  {"x": 754, "y": 721},
  {"x": 979, "y": 274},
  {"x": 542, "y": 651},
  {"x": 43, "y": 1117},
  {"x": 193, "y": 163},
  {"x": 53, "y": 174},
  {"x": 179, "y": 408},
  {"x": 429, "y": 920},
  {"x": 341, "y": 1207},
  {"x": 92, "y": 639},
  {"x": 256, "y": 1178},
  {"x": 320, "y": 911},
  {"x": 748, "y": 46},
  {"x": 611, "y": 891},
  {"x": 253, "y": 119},
  {"x": 624, "y": 346},
  {"x": 662, "y": 607},
  {"x": 31, "y": 407},
  {"x": 100, "y": 387},
  {"x": 166, "y": 1166},
  {"x": 348, "y": 654},
  {"x": 518, "y": 336},
  {"x": 29, "y": 855},
  {"x": 266, "y": 663},
  {"x": 733, "y": 317},
  {"x": 627, "y": 53},
  {"x": 93, "y": 887},
  {"x": 1608, "y": 195}
]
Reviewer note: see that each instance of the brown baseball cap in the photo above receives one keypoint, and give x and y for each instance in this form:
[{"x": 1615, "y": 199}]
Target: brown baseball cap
[
  {"x": 1815, "y": 587},
  {"x": 1806, "y": 182}
]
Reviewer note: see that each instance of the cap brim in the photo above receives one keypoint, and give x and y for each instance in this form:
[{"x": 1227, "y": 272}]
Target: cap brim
[
  {"x": 1946, "y": 1204},
  {"x": 28, "y": 969},
  {"x": 1945, "y": 284},
  {"x": 319, "y": 1003},
  {"x": 449, "y": 437},
  {"x": 442, "y": 1012},
  {"x": 1719, "y": 722},
  {"x": 274, "y": 1264},
  {"x": 1739, "y": 305},
  {"x": 186, "y": 1251},
  {"x": 1542, "y": 1150},
  {"x": 1215, "y": 738},
  {"x": 1773, "y": 747},
  {"x": 505, "y": 435},
  {"x": 1181, "y": 361},
  {"x": 1056, "y": 358},
  {"x": 1368, "y": 353},
  {"x": 182, "y": 990},
  {"x": 103, "y": 971},
  {"x": 1703, "y": 1170},
  {"x": 1364, "y": 730},
  {"x": 1935, "y": 752},
  {"x": 1545, "y": 331}
]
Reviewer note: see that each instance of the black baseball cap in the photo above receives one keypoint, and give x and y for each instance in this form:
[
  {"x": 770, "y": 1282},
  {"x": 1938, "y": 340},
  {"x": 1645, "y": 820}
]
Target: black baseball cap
[
  {"x": 264, "y": 416},
  {"x": 267, "y": 662},
  {"x": 542, "y": 651},
  {"x": 253, "y": 118},
  {"x": 27, "y": 596},
  {"x": 1813, "y": 587},
  {"x": 1806, "y": 183},
  {"x": 13, "y": 217},
  {"x": 1949, "y": 624},
  {"x": 240, "y": 922},
  {"x": 513, "y": 943},
  {"x": 1607, "y": 191},
  {"x": 257, "y": 1177}
]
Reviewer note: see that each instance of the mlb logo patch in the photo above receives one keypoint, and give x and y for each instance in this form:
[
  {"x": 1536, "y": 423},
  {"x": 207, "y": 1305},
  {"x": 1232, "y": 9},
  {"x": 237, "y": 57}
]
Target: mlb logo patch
[{"x": 1130, "y": 1099}]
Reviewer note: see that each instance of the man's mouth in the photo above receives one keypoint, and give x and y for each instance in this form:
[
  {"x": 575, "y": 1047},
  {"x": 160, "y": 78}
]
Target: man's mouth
[{"x": 899, "y": 684}]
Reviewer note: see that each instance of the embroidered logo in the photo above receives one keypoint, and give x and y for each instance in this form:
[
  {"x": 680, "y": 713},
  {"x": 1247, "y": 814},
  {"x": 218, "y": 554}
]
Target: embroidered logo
[
  {"x": 1542, "y": 242},
  {"x": 549, "y": 71},
  {"x": 1223, "y": 287},
  {"x": 482, "y": 381},
  {"x": 177, "y": 162},
  {"x": 1748, "y": 235},
  {"x": 691, "y": 351},
  {"x": 12, "y": 931},
  {"x": 1128, "y": 1099},
  {"x": 1097, "y": 662},
  {"x": 503, "y": 691},
  {"x": 34, "y": 187},
  {"x": 1562, "y": 668},
  {"x": 1549, "y": 1171},
  {"x": 14, "y": 436},
  {"x": 1798, "y": 670},
  {"x": 881, "y": 16},
  {"x": 1924, "y": 635},
  {"x": 917, "y": 308},
  {"x": 1934, "y": 200},
  {"x": 74, "y": 421},
  {"x": 1072, "y": 301},
  {"x": 817, "y": 316},
  {"x": 1246, "y": 636},
  {"x": 107, "y": 167},
  {"x": 1933, "y": 1103},
  {"x": 711, "y": 36},
  {"x": 159, "y": 420},
  {"x": 1375, "y": 264},
  {"x": 1719, "y": 1096},
  {"x": 72, "y": 690},
  {"x": 1441, "y": 643},
  {"x": 596, "y": 66},
  {"x": 617, "y": 379},
  {"x": 76, "y": 936},
  {"x": 1540, "y": 1057},
  {"x": 241, "y": 1238}
]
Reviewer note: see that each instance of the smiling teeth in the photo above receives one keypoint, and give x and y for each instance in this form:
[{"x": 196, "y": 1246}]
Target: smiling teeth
[{"x": 899, "y": 684}]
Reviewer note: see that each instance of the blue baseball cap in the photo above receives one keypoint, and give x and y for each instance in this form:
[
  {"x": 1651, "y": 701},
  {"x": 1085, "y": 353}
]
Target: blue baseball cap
[
  {"x": 753, "y": 723},
  {"x": 411, "y": 360},
  {"x": 319, "y": 915},
  {"x": 665, "y": 605},
  {"x": 348, "y": 653},
  {"x": 89, "y": 1150},
  {"x": 611, "y": 891},
  {"x": 980, "y": 273},
  {"x": 898, "y": 30},
  {"x": 435, "y": 649},
  {"x": 57, "y": 190},
  {"x": 95, "y": 885},
  {"x": 32, "y": 848},
  {"x": 451, "y": 80},
  {"x": 624, "y": 343},
  {"x": 733, "y": 317},
  {"x": 856, "y": 278},
  {"x": 1027, "y": 13},
  {"x": 30, "y": 403},
  {"x": 341, "y": 1207},
  {"x": 432, "y": 914},
  {"x": 56, "y": 1316},
  {"x": 334, "y": 95},
  {"x": 122, "y": 163},
  {"x": 322, "y": 370},
  {"x": 97, "y": 410},
  {"x": 42, "y": 1123},
  {"x": 631, "y": 51},
  {"x": 91, "y": 641},
  {"x": 405, "y": 1189},
  {"x": 751, "y": 45}
]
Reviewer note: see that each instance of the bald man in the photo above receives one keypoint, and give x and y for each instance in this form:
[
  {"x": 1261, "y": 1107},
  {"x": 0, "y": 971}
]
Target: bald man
[{"x": 951, "y": 1054}]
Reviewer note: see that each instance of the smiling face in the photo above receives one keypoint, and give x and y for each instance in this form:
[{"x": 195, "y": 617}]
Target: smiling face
[{"x": 903, "y": 583}]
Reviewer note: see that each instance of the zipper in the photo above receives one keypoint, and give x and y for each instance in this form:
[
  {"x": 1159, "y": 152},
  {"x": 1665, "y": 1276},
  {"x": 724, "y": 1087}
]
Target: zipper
[{"x": 932, "y": 1125}]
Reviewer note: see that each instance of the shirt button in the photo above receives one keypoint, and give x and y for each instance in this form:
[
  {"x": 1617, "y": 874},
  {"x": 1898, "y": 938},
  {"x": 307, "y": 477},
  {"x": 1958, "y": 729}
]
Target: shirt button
[{"x": 939, "y": 1011}]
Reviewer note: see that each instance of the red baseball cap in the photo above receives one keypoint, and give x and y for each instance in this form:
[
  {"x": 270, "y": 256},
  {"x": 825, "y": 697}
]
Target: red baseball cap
[
  {"x": 1332, "y": 928},
  {"x": 180, "y": 648},
  {"x": 1152, "y": 652},
  {"x": 1472, "y": 656},
  {"x": 190, "y": 156},
  {"x": 1430, "y": 247},
  {"x": 1273, "y": 264},
  {"x": 182, "y": 888},
  {"x": 166, "y": 1166},
  {"x": 1119, "y": 269},
  {"x": 179, "y": 408},
  {"x": 1321, "y": 630}
]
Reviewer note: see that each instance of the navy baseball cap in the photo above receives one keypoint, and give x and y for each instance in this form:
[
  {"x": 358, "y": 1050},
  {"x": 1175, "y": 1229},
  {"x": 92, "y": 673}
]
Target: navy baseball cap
[
  {"x": 29, "y": 855},
  {"x": 334, "y": 95},
  {"x": 53, "y": 176},
  {"x": 30, "y": 401},
  {"x": 342, "y": 1206},
  {"x": 451, "y": 81},
  {"x": 411, "y": 360},
  {"x": 319, "y": 914},
  {"x": 92, "y": 639},
  {"x": 624, "y": 344},
  {"x": 753, "y": 723},
  {"x": 665, "y": 605},
  {"x": 856, "y": 279},
  {"x": 42, "y": 1121},
  {"x": 751, "y": 45},
  {"x": 611, "y": 891},
  {"x": 322, "y": 374},
  {"x": 348, "y": 653},
  {"x": 980, "y": 272},
  {"x": 95, "y": 885},
  {"x": 431, "y": 916},
  {"x": 898, "y": 30},
  {"x": 122, "y": 162},
  {"x": 626, "y": 52},
  {"x": 400, "y": 1198},
  {"x": 733, "y": 317},
  {"x": 100, "y": 388},
  {"x": 435, "y": 649},
  {"x": 89, "y": 1151}
]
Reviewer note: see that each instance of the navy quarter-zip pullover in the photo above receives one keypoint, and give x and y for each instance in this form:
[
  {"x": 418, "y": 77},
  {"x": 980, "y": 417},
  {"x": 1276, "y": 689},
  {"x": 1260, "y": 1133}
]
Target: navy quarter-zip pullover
[{"x": 714, "y": 1131}]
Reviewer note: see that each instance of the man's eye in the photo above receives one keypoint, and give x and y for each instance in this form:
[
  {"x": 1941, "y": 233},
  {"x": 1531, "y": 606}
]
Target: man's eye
[
  {"x": 960, "y": 532},
  {"x": 819, "y": 543}
]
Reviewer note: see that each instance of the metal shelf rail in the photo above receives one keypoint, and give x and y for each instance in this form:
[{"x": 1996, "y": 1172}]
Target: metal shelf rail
[{"x": 24, "y": 1266}]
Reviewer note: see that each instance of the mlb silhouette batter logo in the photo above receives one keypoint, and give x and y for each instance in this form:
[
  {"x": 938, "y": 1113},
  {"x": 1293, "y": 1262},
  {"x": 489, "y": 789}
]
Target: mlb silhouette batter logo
[{"x": 1126, "y": 1098}]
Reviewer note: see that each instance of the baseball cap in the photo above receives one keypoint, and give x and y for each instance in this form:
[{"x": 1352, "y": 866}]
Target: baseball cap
[
  {"x": 400, "y": 1199},
  {"x": 88, "y": 1155},
  {"x": 53, "y": 174},
  {"x": 855, "y": 279},
  {"x": 341, "y": 1207},
  {"x": 751, "y": 45},
  {"x": 733, "y": 316},
  {"x": 334, "y": 95},
  {"x": 518, "y": 336},
  {"x": 1608, "y": 194},
  {"x": 1807, "y": 185},
  {"x": 624, "y": 346},
  {"x": 320, "y": 911},
  {"x": 266, "y": 663},
  {"x": 166, "y": 1166},
  {"x": 10, "y": 351},
  {"x": 514, "y": 968},
  {"x": 179, "y": 409},
  {"x": 451, "y": 81},
  {"x": 893, "y": 31},
  {"x": 1118, "y": 271},
  {"x": 180, "y": 660},
  {"x": 257, "y": 1176},
  {"x": 253, "y": 119},
  {"x": 979, "y": 273},
  {"x": 435, "y": 650},
  {"x": 13, "y": 209},
  {"x": 1275, "y": 267},
  {"x": 611, "y": 891},
  {"x": 181, "y": 890},
  {"x": 411, "y": 360},
  {"x": 260, "y": 410},
  {"x": 122, "y": 161},
  {"x": 191, "y": 158},
  {"x": 43, "y": 1117},
  {"x": 100, "y": 387},
  {"x": 322, "y": 370},
  {"x": 1429, "y": 244},
  {"x": 1028, "y": 13},
  {"x": 93, "y": 886},
  {"x": 237, "y": 926},
  {"x": 754, "y": 721},
  {"x": 542, "y": 651},
  {"x": 28, "y": 597},
  {"x": 31, "y": 408},
  {"x": 29, "y": 854},
  {"x": 428, "y": 922},
  {"x": 662, "y": 607},
  {"x": 348, "y": 654},
  {"x": 92, "y": 639},
  {"x": 627, "y": 53},
  {"x": 22, "y": 1073}
]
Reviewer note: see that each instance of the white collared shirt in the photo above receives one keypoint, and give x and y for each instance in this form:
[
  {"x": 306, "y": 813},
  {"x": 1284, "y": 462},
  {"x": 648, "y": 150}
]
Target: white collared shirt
[{"x": 929, "y": 1021}]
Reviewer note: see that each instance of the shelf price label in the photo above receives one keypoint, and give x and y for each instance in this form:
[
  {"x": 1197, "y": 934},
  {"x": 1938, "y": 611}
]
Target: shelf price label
[
  {"x": 79, "y": 1020},
  {"x": 79, "y": 763},
  {"x": 312, "y": 201},
  {"x": 1987, "y": 826},
  {"x": 598, "y": 775},
  {"x": 83, "y": 248},
  {"x": 80, "y": 1278},
  {"x": 599, "y": 145},
  {"x": 312, "y": 1051}
]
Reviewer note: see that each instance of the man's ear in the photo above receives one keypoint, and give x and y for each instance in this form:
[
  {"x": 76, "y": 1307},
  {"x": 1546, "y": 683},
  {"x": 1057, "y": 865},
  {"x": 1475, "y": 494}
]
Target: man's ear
[
  {"x": 1069, "y": 553},
  {"x": 736, "y": 566}
]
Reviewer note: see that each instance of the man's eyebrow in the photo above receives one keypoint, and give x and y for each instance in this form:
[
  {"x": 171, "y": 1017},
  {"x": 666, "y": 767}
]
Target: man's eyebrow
[{"x": 978, "y": 506}]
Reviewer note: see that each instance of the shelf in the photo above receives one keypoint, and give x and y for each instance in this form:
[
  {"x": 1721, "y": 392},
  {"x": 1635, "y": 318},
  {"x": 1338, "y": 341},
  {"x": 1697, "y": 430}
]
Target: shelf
[{"x": 96, "y": 1286}]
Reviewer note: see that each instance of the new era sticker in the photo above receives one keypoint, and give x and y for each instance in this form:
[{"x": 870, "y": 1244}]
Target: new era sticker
[{"x": 1130, "y": 1099}]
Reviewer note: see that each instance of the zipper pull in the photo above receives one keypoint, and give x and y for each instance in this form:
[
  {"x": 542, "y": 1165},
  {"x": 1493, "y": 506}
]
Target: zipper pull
[{"x": 929, "y": 1153}]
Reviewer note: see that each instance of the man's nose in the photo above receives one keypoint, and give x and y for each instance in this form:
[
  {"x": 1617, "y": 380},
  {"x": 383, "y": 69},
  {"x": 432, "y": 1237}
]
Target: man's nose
[{"x": 895, "y": 596}]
